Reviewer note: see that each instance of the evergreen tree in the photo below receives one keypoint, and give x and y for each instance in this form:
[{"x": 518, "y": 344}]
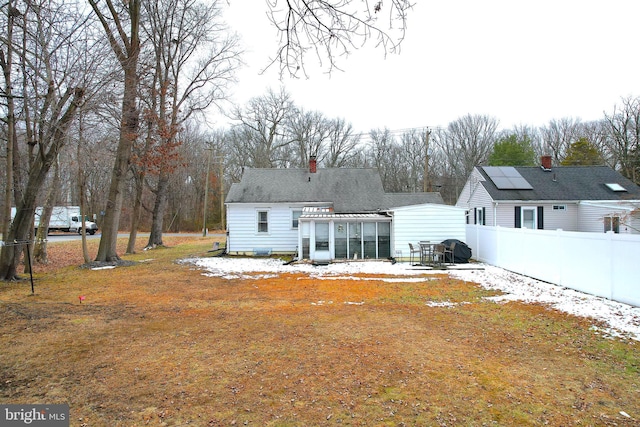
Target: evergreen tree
[
  {"x": 508, "y": 151},
  {"x": 582, "y": 153}
]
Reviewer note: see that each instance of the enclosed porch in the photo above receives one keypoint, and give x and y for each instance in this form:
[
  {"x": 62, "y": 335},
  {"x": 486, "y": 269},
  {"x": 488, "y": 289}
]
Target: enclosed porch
[{"x": 325, "y": 236}]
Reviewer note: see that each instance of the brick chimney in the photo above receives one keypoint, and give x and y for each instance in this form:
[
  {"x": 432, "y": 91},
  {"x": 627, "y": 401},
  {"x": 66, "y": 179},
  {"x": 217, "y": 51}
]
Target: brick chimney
[
  {"x": 312, "y": 164},
  {"x": 545, "y": 162}
]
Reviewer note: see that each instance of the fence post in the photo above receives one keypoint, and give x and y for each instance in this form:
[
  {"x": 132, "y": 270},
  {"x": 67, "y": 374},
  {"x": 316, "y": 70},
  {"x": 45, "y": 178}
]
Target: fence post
[{"x": 610, "y": 264}]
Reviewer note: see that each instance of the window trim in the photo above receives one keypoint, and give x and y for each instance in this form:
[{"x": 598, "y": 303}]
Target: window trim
[
  {"x": 535, "y": 217},
  {"x": 295, "y": 220},
  {"x": 258, "y": 222},
  {"x": 481, "y": 216},
  {"x": 612, "y": 225}
]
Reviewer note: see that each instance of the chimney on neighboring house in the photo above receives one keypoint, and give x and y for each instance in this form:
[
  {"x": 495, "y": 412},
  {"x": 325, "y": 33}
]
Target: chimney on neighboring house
[
  {"x": 312, "y": 164},
  {"x": 545, "y": 162}
]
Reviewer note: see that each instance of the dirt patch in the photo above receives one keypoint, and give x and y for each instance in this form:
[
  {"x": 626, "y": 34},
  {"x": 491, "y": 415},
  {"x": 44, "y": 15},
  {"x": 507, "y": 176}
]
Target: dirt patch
[{"x": 158, "y": 343}]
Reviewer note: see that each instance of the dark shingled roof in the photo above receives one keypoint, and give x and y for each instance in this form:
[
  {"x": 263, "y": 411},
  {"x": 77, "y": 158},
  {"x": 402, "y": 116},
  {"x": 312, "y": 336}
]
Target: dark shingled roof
[
  {"x": 353, "y": 190},
  {"x": 566, "y": 183}
]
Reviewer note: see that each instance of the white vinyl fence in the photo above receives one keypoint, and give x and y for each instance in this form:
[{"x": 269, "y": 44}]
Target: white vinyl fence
[{"x": 602, "y": 264}]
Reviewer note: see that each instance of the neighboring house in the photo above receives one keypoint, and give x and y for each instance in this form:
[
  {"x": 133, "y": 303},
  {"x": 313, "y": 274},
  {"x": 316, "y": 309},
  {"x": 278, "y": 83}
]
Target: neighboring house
[
  {"x": 326, "y": 214},
  {"x": 572, "y": 198}
]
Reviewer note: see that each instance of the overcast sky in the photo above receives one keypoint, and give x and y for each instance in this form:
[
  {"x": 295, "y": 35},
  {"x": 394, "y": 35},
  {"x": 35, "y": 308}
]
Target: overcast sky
[{"x": 522, "y": 62}]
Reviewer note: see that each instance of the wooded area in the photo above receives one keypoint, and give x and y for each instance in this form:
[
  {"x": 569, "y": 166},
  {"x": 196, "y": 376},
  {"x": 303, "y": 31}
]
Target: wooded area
[{"x": 105, "y": 106}]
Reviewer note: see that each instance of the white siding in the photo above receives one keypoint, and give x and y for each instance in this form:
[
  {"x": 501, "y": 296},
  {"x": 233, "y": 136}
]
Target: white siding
[
  {"x": 633, "y": 223},
  {"x": 566, "y": 219},
  {"x": 591, "y": 218},
  {"x": 243, "y": 234},
  {"x": 475, "y": 196},
  {"x": 431, "y": 222},
  {"x": 552, "y": 220},
  {"x": 505, "y": 216}
]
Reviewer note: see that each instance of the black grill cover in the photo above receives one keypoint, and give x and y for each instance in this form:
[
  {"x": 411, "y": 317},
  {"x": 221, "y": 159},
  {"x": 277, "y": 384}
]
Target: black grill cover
[{"x": 461, "y": 252}]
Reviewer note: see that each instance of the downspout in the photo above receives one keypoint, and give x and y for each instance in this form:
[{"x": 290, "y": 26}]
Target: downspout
[{"x": 495, "y": 214}]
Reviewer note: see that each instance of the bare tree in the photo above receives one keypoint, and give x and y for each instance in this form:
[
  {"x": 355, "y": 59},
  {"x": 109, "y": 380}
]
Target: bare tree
[
  {"x": 466, "y": 143},
  {"x": 194, "y": 59},
  {"x": 383, "y": 154},
  {"x": 526, "y": 133},
  {"x": 342, "y": 149},
  {"x": 261, "y": 138},
  {"x": 126, "y": 47},
  {"x": 308, "y": 133},
  {"x": 558, "y": 135},
  {"x": 53, "y": 82},
  {"x": 414, "y": 150},
  {"x": 6, "y": 63},
  {"x": 332, "y": 28},
  {"x": 624, "y": 133}
]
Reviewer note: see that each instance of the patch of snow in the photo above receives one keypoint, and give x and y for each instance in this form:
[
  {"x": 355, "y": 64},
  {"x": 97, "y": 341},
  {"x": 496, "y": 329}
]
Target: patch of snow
[
  {"x": 440, "y": 304},
  {"x": 621, "y": 319},
  {"x": 445, "y": 303},
  {"x": 618, "y": 316}
]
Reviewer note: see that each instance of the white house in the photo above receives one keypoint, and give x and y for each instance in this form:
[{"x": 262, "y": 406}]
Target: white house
[
  {"x": 572, "y": 198},
  {"x": 337, "y": 213}
]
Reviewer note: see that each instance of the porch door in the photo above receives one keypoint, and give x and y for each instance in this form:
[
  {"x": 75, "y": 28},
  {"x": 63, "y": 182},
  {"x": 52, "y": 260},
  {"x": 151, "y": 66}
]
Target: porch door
[
  {"x": 384, "y": 240},
  {"x": 369, "y": 240},
  {"x": 340, "y": 239},
  {"x": 355, "y": 239},
  {"x": 322, "y": 236}
]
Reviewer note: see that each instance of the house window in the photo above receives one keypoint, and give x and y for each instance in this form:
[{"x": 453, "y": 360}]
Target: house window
[
  {"x": 559, "y": 207},
  {"x": 263, "y": 221},
  {"x": 294, "y": 219},
  {"x": 480, "y": 216},
  {"x": 529, "y": 218},
  {"x": 322, "y": 236},
  {"x": 612, "y": 223}
]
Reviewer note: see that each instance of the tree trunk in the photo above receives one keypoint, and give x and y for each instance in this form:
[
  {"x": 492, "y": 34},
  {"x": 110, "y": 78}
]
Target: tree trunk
[
  {"x": 155, "y": 238},
  {"x": 128, "y": 59},
  {"x": 40, "y": 244},
  {"x": 128, "y": 130},
  {"x": 6, "y": 62},
  {"x": 82, "y": 184},
  {"x": 135, "y": 217}
]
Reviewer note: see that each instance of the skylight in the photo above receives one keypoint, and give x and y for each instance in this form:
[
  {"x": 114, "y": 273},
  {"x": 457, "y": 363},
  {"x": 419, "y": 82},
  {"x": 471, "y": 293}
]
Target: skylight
[{"x": 615, "y": 186}]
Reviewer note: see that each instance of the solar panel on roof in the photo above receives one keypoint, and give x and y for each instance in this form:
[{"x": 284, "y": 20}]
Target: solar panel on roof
[{"x": 507, "y": 178}]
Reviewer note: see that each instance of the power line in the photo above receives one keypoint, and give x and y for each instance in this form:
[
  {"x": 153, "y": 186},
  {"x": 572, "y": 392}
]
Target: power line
[{"x": 396, "y": 132}]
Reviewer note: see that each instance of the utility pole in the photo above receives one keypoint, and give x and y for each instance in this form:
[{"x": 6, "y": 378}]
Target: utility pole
[
  {"x": 206, "y": 195},
  {"x": 426, "y": 182},
  {"x": 221, "y": 178}
]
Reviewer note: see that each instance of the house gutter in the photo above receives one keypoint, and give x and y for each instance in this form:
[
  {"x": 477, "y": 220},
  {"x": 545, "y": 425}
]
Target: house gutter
[
  {"x": 614, "y": 206},
  {"x": 560, "y": 202}
]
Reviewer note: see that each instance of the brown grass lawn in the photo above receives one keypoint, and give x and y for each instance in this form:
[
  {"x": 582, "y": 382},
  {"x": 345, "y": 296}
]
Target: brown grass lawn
[{"x": 158, "y": 343}]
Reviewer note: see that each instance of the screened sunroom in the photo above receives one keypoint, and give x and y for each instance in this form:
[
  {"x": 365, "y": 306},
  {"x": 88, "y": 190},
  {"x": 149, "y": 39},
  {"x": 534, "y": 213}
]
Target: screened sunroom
[{"x": 325, "y": 235}]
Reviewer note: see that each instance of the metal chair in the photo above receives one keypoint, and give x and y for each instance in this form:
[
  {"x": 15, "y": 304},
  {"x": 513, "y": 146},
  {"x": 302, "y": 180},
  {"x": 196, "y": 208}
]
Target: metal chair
[
  {"x": 426, "y": 252},
  {"x": 448, "y": 253},
  {"x": 412, "y": 251},
  {"x": 439, "y": 254}
]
